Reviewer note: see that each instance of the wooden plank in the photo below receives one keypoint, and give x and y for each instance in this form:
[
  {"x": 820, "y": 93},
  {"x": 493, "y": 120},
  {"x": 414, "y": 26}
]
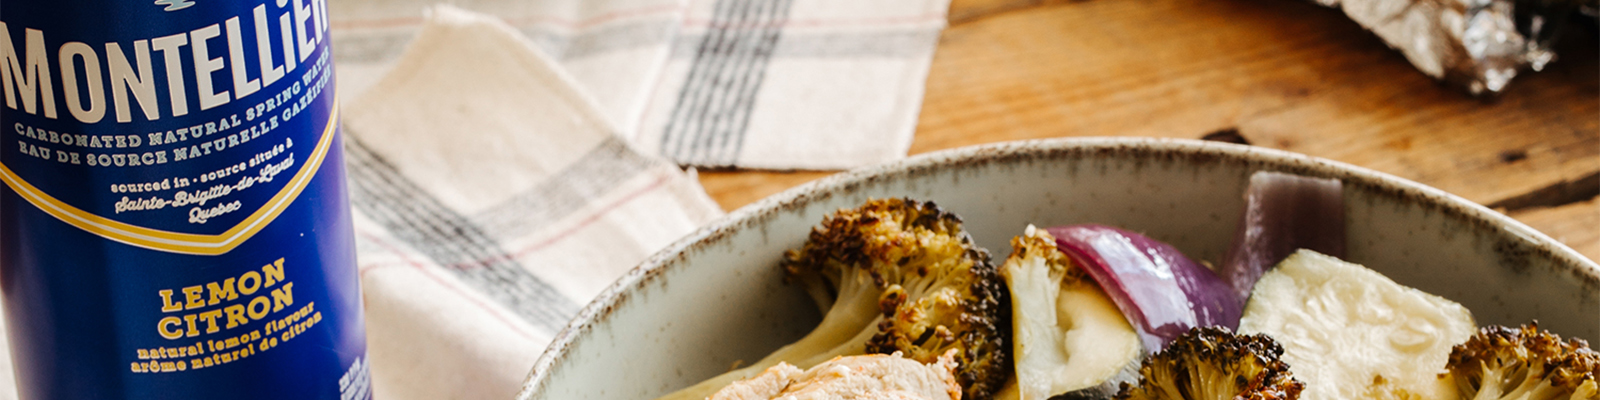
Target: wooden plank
[
  {"x": 964, "y": 11},
  {"x": 1577, "y": 225},
  {"x": 1287, "y": 74},
  {"x": 734, "y": 189}
]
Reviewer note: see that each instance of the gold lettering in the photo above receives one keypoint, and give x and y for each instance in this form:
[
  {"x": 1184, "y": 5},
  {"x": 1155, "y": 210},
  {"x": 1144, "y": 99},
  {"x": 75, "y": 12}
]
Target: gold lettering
[
  {"x": 192, "y": 295},
  {"x": 283, "y": 296},
  {"x": 211, "y": 320},
  {"x": 254, "y": 278},
  {"x": 266, "y": 305},
  {"x": 166, "y": 301},
  {"x": 166, "y": 333},
  {"x": 235, "y": 315},
  {"x": 189, "y": 320},
  {"x": 222, "y": 292},
  {"x": 273, "y": 272}
]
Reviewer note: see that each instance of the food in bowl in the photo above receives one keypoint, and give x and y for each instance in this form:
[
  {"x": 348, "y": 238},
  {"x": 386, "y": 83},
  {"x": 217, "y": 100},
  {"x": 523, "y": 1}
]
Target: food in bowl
[
  {"x": 894, "y": 275},
  {"x": 1213, "y": 363},
  {"x": 1523, "y": 363},
  {"x": 1352, "y": 333},
  {"x": 864, "y": 377},
  {"x": 890, "y": 244},
  {"x": 1068, "y": 338},
  {"x": 716, "y": 296}
]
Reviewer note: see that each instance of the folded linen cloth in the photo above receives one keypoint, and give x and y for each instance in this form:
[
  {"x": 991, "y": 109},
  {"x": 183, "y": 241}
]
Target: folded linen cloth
[
  {"x": 613, "y": 48},
  {"x": 793, "y": 84},
  {"x": 493, "y": 199},
  {"x": 778, "y": 84}
]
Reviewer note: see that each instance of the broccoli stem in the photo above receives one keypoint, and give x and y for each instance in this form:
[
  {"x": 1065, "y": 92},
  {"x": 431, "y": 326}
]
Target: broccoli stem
[
  {"x": 854, "y": 346},
  {"x": 819, "y": 292},
  {"x": 856, "y": 310},
  {"x": 1535, "y": 384},
  {"x": 844, "y": 330},
  {"x": 1035, "y": 293}
]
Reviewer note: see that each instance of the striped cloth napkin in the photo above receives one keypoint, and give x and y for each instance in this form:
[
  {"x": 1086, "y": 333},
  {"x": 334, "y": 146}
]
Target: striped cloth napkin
[
  {"x": 772, "y": 84},
  {"x": 492, "y": 200},
  {"x": 793, "y": 84}
]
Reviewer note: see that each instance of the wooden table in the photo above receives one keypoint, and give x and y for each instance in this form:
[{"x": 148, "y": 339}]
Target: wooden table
[{"x": 1285, "y": 74}]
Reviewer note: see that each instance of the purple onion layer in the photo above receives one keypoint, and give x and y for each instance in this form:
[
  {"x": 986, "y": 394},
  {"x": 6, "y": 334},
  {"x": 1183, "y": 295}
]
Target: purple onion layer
[
  {"x": 1161, "y": 291},
  {"x": 1283, "y": 213}
]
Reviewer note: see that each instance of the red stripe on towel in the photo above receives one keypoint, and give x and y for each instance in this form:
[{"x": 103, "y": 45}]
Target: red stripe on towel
[{"x": 407, "y": 260}]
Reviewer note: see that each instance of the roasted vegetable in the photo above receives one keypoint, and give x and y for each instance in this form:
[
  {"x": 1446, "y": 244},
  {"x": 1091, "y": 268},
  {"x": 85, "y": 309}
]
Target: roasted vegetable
[
  {"x": 1162, "y": 292},
  {"x": 1212, "y": 363},
  {"x": 1352, "y": 333},
  {"x": 896, "y": 275},
  {"x": 1523, "y": 364},
  {"x": 1069, "y": 339},
  {"x": 1283, "y": 213}
]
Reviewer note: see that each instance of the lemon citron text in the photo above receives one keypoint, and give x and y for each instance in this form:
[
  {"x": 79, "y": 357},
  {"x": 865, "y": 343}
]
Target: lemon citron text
[{"x": 224, "y": 304}]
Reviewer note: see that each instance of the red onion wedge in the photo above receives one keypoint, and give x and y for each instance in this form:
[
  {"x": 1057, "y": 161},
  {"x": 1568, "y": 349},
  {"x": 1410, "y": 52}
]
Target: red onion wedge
[
  {"x": 1283, "y": 213},
  {"x": 1162, "y": 293}
]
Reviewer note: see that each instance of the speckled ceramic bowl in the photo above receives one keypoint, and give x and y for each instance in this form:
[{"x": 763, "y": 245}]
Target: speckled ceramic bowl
[{"x": 716, "y": 296}]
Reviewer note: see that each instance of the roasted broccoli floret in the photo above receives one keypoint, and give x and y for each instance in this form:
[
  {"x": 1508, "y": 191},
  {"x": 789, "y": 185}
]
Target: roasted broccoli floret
[
  {"x": 940, "y": 293},
  {"x": 895, "y": 275},
  {"x": 1523, "y": 364},
  {"x": 1211, "y": 363}
]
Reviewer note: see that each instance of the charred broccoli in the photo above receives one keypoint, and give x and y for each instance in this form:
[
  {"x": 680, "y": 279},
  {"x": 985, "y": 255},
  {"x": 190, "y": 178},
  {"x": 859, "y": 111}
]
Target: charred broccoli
[
  {"x": 1524, "y": 364},
  {"x": 1211, "y": 363},
  {"x": 895, "y": 275}
]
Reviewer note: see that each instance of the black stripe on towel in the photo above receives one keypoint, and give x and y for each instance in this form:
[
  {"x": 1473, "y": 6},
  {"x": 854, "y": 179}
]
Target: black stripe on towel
[
  {"x": 449, "y": 239},
  {"x": 712, "y": 111},
  {"x": 611, "y": 164}
]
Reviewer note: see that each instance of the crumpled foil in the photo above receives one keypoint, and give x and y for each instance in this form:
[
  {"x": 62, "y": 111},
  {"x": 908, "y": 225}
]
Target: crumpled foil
[{"x": 1476, "y": 44}]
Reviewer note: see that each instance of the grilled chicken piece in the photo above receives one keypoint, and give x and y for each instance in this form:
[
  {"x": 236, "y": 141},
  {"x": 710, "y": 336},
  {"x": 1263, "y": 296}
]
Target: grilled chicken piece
[{"x": 865, "y": 377}]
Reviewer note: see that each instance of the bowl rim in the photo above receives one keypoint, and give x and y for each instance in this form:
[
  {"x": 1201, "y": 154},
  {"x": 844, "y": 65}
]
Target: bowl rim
[{"x": 1257, "y": 158}]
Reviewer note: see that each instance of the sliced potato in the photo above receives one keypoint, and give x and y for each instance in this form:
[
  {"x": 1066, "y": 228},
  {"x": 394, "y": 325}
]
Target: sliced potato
[{"x": 1349, "y": 332}]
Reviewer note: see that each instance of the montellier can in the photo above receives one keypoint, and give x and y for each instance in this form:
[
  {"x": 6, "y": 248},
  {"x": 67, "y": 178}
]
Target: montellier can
[{"x": 174, "y": 222}]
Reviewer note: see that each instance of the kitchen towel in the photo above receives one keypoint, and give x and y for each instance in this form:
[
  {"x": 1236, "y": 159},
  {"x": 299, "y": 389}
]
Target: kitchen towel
[
  {"x": 613, "y": 48},
  {"x": 793, "y": 84},
  {"x": 771, "y": 84},
  {"x": 493, "y": 199}
]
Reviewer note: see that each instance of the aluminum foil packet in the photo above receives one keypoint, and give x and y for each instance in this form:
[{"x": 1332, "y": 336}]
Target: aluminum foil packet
[{"x": 1479, "y": 45}]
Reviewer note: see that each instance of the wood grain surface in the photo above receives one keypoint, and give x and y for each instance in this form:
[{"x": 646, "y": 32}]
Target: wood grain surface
[{"x": 1283, "y": 74}]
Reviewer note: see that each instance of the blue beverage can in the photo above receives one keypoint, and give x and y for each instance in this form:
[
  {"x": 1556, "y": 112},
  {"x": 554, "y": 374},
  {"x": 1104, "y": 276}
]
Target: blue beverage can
[{"x": 174, "y": 222}]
